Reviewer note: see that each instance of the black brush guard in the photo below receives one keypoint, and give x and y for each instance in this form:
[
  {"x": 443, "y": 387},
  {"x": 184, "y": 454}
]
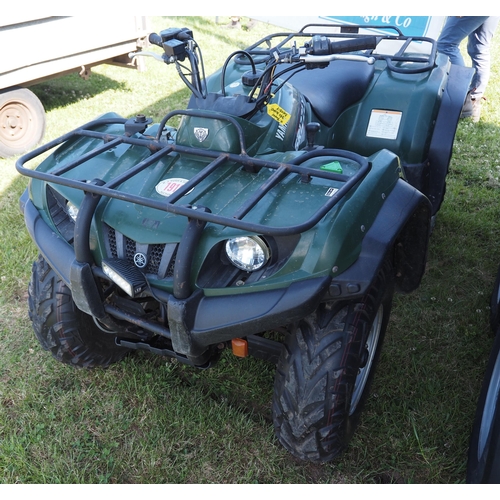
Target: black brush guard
[{"x": 81, "y": 272}]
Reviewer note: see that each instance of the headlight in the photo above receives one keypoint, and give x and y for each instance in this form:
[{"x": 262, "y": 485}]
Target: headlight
[
  {"x": 248, "y": 253},
  {"x": 124, "y": 274},
  {"x": 72, "y": 210}
]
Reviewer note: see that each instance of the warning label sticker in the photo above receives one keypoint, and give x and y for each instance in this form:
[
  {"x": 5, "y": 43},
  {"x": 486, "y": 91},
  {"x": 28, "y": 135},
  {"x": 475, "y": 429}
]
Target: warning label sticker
[
  {"x": 331, "y": 192},
  {"x": 278, "y": 113},
  {"x": 384, "y": 124}
]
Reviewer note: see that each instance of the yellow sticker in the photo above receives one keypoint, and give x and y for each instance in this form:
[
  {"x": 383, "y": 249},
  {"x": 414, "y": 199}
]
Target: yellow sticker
[{"x": 278, "y": 113}]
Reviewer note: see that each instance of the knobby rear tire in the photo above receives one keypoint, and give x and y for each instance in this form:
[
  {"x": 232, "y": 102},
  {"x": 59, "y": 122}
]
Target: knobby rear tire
[
  {"x": 61, "y": 328},
  {"x": 483, "y": 463},
  {"x": 325, "y": 370},
  {"x": 495, "y": 304}
]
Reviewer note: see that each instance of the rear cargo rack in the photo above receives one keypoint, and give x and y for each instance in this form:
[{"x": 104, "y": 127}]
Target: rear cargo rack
[
  {"x": 421, "y": 60},
  {"x": 160, "y": 148}
]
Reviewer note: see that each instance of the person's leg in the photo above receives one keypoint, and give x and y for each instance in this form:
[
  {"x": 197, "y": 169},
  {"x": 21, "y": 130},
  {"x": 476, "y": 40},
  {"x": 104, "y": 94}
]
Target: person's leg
[
  {"x": 478, "y": 48},
  {"x": 454, "y": 31}
]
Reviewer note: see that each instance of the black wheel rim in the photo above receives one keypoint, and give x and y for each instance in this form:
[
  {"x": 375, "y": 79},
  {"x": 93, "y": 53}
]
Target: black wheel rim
[{"x": 364, "y": 372}]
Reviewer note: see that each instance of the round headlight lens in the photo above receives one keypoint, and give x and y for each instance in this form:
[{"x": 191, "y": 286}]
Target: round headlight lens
[{"x": 248, "y": 253}]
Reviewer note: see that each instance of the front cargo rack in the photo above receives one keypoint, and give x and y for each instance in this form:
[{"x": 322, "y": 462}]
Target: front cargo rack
[{"x": 160, "y": 148}]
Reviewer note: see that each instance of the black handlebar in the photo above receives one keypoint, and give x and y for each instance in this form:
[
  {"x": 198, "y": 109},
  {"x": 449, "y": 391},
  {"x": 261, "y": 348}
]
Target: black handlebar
[
  {"x": 155, "y": 39},
  {"x": 321, "y": 45},
  {"x": 178, "y": 45},
  {"x": 173, "y": 41},
  {"x": 165, "y": 36}
]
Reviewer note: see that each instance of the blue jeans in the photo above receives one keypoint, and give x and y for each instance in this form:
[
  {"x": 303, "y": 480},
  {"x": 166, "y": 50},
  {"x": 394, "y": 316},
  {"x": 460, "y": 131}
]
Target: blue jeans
[{"x": 479, "y": 31}]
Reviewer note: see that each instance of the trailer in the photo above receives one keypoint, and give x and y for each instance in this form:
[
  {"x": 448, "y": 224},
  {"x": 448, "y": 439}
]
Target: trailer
[{"x": 39, "y": 49}]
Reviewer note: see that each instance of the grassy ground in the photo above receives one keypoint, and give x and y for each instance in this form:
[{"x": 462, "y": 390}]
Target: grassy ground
[{"x": 150, "y": 420}]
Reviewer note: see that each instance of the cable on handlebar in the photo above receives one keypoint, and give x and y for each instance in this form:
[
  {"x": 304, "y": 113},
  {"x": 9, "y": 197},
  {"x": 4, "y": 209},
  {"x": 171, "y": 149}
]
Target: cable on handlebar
[
  {"x": 293, "y": 70},
  {"x": 224, "y": 68},
  {"x": 197, "y": 85}
]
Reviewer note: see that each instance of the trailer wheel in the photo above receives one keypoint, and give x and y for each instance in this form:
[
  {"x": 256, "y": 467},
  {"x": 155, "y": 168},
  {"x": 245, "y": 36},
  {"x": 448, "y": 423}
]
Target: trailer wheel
[
  {"x": 325, "y": 370},
  {"x": 22, "y": 121}
]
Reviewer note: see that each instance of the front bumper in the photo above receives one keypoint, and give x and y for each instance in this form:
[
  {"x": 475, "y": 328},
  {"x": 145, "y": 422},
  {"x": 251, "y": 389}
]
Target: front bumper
[{"x": 195, "y": 322}]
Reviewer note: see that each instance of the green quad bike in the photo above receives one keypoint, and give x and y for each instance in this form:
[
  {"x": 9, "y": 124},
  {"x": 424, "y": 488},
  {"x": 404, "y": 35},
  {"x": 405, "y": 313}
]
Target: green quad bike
[{"x": 297, "y": 193}]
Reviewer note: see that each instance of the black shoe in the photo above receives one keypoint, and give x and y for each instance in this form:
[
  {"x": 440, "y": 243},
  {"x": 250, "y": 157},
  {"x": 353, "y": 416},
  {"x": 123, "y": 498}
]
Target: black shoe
[
  {"x": 472, "y": 108},
  {"x": 467, "y": 107}
]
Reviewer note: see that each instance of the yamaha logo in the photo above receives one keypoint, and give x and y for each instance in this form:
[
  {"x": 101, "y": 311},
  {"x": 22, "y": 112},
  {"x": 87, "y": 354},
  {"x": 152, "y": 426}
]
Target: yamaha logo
[
  {"x": 140, "y": 260},
  {"x": 201, "y": 133}
]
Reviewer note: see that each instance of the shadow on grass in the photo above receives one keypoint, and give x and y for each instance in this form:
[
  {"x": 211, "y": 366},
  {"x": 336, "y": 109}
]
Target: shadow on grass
[{"x": 69, "y": 89}]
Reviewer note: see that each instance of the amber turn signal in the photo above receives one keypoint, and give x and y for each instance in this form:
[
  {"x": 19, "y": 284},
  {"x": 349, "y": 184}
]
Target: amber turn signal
[{"x": 240, "y": 348}]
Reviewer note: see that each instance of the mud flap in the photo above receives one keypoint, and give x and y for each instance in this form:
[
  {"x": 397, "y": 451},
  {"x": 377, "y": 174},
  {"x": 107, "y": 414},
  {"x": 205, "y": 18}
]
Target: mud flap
[{"x": 441, "y": 146}]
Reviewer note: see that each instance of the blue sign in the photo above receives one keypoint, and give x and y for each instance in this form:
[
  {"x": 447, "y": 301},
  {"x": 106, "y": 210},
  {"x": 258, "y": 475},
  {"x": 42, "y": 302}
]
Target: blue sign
[{"x": 408, "y": 25}]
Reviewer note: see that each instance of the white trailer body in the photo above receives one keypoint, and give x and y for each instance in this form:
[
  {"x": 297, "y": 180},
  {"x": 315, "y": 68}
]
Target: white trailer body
[{"x": 35, "y": 50}]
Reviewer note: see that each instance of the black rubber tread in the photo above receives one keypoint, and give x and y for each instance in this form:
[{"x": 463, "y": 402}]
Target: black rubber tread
[
  {"x": 61, "y": 328},
  {"x": 483, "y": 461},
  {"x": 495, "y": 305},
  {"x": 316, "y": 374}
]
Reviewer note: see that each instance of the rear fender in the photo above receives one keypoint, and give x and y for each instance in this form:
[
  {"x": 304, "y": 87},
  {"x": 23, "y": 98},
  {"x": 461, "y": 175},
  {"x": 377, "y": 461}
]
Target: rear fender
[{"x": 441, "y": 146}]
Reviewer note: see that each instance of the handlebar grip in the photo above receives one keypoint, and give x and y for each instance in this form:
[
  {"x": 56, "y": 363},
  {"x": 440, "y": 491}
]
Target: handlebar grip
[
  {"x": 322, "y": 46},
  {"x": 353, "y": 45},
  {"x": 155, "y": 39}
]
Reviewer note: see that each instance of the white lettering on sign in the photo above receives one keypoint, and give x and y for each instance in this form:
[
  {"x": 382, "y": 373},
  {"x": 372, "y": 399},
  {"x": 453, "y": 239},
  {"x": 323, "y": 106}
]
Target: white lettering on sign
[
  {"x": 280, "y": 132},
  {"x": 405, "y": 22}
]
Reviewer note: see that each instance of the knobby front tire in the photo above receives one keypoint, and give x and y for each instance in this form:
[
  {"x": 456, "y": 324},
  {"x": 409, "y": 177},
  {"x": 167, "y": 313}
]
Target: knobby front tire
[
  {"x": 61, "y": 328},
  {"x": 325, "y": 370}
]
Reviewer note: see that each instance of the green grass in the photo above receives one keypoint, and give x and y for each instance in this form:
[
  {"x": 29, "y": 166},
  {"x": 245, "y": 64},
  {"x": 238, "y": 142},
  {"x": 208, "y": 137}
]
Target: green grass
[{"x": 151, "y": 420}]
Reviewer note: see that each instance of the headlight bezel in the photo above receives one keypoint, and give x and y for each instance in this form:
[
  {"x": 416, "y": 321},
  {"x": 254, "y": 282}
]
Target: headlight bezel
[
  {"x": 59, "y": 212},
  {"x": 247, "y": 253}
]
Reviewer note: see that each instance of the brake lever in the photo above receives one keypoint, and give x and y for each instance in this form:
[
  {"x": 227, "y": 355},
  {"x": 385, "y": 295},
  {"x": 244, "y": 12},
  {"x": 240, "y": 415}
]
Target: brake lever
[
  {"x": 327, "y": 58},
  {"x": 147, "y": 53}
]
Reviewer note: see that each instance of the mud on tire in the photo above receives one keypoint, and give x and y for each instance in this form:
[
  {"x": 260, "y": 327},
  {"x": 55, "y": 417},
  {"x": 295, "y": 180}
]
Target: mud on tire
[
  {"x": 61, "y": 328},
  {"x": 325, "y": 370}
]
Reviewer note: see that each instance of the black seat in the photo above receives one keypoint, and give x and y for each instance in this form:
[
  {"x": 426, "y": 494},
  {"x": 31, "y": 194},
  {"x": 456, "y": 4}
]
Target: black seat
[{"x": 333, "y": 89}]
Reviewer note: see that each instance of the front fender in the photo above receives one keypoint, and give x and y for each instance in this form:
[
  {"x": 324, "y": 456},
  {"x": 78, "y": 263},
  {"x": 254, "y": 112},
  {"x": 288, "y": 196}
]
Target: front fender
[{"x": 403, "y": 225}]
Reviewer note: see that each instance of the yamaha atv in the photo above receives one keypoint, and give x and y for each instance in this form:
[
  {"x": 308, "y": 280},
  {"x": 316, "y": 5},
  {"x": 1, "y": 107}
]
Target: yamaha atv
[{"x": 278, "y": 216}]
